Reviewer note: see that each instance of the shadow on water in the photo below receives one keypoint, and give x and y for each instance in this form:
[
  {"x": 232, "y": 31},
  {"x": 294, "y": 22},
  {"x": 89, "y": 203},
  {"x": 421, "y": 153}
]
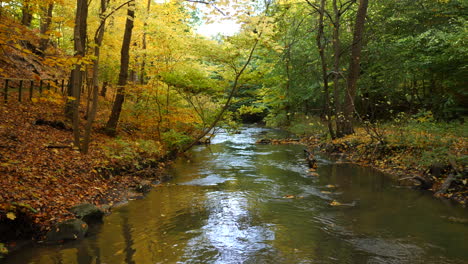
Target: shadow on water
[{"x": 238, "y": 202}]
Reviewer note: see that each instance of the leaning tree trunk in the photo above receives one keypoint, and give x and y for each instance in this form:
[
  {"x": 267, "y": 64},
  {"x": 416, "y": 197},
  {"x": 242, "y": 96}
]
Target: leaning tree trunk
[
  {"x": 354, "y": 68},
  {"x": 111, "y": 126}
]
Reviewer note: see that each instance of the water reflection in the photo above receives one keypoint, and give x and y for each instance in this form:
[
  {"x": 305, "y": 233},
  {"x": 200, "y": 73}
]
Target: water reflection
[
  {"x": 228, "y": 204},
  {"x": 229, "y": 235}
]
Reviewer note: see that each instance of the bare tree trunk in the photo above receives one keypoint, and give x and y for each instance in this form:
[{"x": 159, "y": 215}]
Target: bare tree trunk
[
  {"x": 26, "y": 14},
  {"x": 144, "y": 47},
  {"x": 354, "y": 67},
  {"x": 288, "y": 84},
  {"x": 321, "y": 46},
  {"x": 336, "y": 68},
  {"x": 104, "y": 89},
  {"x": 76, "y": 74},
  {"x": 95, "y": 93},
  {"x": 111, "y": 126},
  {"x": 46, "y": 21},
  {"x": 168, "y": 100}
]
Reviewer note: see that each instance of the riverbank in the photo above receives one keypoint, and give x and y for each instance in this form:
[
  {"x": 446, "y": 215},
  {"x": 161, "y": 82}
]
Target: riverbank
[
  {"x": 42, "y": 176},
  {"x": 427, "y": 158}
]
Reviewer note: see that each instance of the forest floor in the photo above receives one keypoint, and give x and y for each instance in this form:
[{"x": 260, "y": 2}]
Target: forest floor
[
  {"x": 42, "y": 175},
  {"x": 427, "y": 158}
]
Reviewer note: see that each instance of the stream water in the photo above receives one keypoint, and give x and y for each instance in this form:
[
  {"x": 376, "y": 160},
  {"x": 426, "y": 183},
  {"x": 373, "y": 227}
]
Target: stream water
[{"x": 239, "y": 202}]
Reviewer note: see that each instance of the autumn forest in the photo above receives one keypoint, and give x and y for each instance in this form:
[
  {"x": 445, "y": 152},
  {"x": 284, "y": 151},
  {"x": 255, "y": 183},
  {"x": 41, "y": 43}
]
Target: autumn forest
[{"x": 99, "y": 97}]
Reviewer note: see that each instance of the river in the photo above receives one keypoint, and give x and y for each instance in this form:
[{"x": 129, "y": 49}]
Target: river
[{"x": 235, "y": 201}]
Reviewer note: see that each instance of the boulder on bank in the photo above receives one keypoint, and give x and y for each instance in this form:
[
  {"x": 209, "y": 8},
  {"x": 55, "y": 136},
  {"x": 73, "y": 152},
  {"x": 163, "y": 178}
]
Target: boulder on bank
[
  {"x": 89, "y": 213},
  {"x": 71, "y": 229}
]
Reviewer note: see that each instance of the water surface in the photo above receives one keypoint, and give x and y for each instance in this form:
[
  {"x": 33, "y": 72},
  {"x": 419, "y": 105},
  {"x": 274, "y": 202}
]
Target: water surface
[{"x": 227, "y": 204}]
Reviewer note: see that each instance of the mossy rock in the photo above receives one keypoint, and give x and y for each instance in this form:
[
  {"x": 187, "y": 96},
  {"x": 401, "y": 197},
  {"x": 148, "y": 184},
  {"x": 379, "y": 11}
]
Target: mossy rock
[
  {"x": 88, "y": 213},
  {"x": 71, "y": 229}
]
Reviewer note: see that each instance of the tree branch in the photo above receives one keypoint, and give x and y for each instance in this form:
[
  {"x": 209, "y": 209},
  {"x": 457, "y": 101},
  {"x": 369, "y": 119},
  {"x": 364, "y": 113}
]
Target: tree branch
[
  {"x": 348, "y": 5},
  {"x": 103, "y": 20},
  {"x": 320, "y": 11},
  {"x": 211, "y": 3}
]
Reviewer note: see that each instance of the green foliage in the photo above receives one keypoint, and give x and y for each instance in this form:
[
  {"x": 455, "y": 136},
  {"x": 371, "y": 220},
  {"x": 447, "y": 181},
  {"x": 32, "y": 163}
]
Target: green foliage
[
  {"x": 414, "y": 58},
  {"x": 433, "y": 142},
  {"x": 277, "y": 119},
  {"x": 299, "y": 124},
  {"x": 131, "y": 151},
  {"x": 175, "y": 140}
]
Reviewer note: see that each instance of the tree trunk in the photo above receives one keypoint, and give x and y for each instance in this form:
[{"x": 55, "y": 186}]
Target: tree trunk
[
  {"x": 95, "y": 93},
  {"x": 111, "y": 126},
  {"x": 104, "y": 88},
  {"x": 26, "y": 14},
  {"x": 321, "y": 47},
  {"x": 354, "y": 67},
  {"x": 76, "y": 74},
  {"x": 336, "y": 68},
  {"x": 229, "y": 99},
  {"x": 46, "y": 21},
  {"x": 288, "y": 84},
  {"x": 144, "y": 46}
]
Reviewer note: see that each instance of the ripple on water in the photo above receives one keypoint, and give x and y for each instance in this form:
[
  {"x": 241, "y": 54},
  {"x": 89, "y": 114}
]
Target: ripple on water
[
  {"x": 388, "y": 250},
  {"x": 210, "y": 180},
  {"x": 229, "y": 234}
]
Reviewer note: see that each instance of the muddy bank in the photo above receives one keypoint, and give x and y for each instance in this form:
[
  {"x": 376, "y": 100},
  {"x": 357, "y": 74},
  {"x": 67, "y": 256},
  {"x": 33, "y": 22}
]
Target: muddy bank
[{"x": 445, "y": 180}]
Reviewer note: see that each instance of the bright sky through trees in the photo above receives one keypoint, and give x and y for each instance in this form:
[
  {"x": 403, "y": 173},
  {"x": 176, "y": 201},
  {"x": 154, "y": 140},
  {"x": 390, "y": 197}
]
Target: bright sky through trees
[
  {"x": 225, "y": 27},
  {"x": 214, "y": 22}
]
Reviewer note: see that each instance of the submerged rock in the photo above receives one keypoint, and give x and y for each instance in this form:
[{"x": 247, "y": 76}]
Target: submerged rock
[
  {"x": 89, "y": 213},
  {"x": 264, "y": 141},
  {"x": 71, "y": 229},
  {"x": 143, "y": 188}
]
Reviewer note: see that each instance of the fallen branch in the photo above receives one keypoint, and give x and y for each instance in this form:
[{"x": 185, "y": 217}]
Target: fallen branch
[
  {"x": 59, "y": 146},
  {"x": 423, "y": 183},
  {"x": 448, "y": 181}
]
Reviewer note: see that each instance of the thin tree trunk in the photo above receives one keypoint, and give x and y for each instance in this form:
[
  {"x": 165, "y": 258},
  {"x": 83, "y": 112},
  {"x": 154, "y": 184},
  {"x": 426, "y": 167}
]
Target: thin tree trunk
[
  {"x": 26, "y": 14},
  {"x": 46, "y": 21},
  {"x": 336, "y": 68},
  {"x": 95, "y": 93},
  {"x": 354, "y": 67},
  {"x": 111, "y": 126},
  {"x": 76, "y": 84},
  {"x": 144, "y": 46},
  {"x": 321, "y": 47},
  {"x": 228, "y": 102},
  {"x": 168, "y": 90},
  {"x": 288, "y": 84},
  {"x": 104, "y": 89}
]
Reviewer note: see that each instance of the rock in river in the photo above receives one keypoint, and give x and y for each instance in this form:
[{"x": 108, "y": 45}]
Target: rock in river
[
  {"x": 71, "y": 229},
  {"x": 88, "y": 213}
]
